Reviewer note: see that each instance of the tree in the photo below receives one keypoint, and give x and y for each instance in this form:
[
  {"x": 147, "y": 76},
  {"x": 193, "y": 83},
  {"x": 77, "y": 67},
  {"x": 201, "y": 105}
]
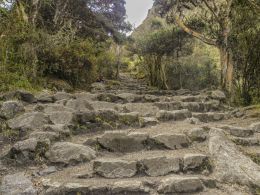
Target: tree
[
  {"x": 245, "y": 42},
  {"x": 208, "y": 21},
  {"x": 155, "y": 47}
]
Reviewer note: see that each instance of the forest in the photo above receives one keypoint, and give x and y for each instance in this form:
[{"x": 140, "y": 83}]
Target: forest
[{"x": 193, "y": 44}]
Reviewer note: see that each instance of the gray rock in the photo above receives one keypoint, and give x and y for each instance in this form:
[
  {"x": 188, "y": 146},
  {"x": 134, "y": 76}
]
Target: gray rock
[
  {"x": 123, "y": 142},
  {"x": 218, "y": 95},
  {"x": 169, "y": 106},
  {"x": 28, "y": 150},
  {"x": 209, "y": 116},
  {"x": 193, "y": 106},
  {"x": 195, "y": 162},
  {"x": 129, "y": 187},
  {"x": 50, "y": 108},
  {"x": 231, "y": 165},
  {"x": 28, "y": 121},
  {"x": 145, "y": 109},
  {"x": 238, "y": 131},
  {"x": 79, "y": 105},
  {"x": 69, "y": 153},
  {"x": 131, "y": 98},
  {"x": 62, "y": 130},
  {"x": 10, "y": 109},
  {"x": 41, "y": 135},
  {"x": 113, "y": 168},
  {"x": 255, "y": 127},
  {"x": 62, "y": 117},
  {"x": 25, "y": 96},
  {"x": 191, "y": 99},
  {"x": 17, "y": 184},
  {"x": 160, "y": 166},
  {"x": 173, "y": 115},
  {"x": 212, "y": 105},
  {"x": 62, "y": 96},
  {"x": 252, "y": 141},
  {"x": 194, "y": 121},
  {"x": 47, "y": 171},
  {"x": 171, "y": 141},
  {"x": 151, "y": 98},
  {"x": 180, "y": 185},
  {"x": 45, "y": 98},
  {"x": 86, "y": 96},
  {"x": 148, "y": 121},
  {"x": 198, "y": 134},
  {"x": 108, "y": 97}
]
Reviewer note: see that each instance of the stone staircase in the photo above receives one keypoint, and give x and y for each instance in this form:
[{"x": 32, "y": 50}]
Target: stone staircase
[{"x": 125, "y": 138}]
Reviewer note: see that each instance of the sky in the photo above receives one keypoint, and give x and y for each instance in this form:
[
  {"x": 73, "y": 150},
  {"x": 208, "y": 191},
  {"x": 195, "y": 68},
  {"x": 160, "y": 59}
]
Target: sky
[{"x": 137, "y": 10}]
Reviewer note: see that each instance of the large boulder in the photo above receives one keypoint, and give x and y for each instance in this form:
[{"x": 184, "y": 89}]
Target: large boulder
[
  {"x": 123, "y": 142},
  {"x": 69, "y": 153},
  {"x": 17, "y": 184},
  {"x": 10, "y": 109},
  {"x": 113, "y": 168},
  {"x": 231, "y": 165},
  {"x": 28, "y": 121}
]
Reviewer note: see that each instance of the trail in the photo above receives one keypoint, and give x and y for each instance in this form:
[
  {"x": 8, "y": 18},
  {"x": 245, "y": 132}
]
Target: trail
[{"x": 124, "y": 138}]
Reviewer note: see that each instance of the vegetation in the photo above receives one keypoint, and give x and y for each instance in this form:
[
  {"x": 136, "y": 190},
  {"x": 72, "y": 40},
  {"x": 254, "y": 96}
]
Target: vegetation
[
  {"x": 42, "y": 40},
  {"x": 181, "y": 44}
]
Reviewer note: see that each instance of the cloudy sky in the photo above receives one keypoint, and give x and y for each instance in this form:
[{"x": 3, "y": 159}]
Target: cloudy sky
[{"x": 137, "y": 10}]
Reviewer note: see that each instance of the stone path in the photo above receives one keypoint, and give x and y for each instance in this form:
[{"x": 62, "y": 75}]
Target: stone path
[{"x": 126, "y": 138}]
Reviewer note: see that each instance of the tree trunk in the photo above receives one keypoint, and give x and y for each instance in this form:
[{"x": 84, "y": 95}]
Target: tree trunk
[
  {"x": 227, "y": 68},
  {"x": 34, "y": 11}
]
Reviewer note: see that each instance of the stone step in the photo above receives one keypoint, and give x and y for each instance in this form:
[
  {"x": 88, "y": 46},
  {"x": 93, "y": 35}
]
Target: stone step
[
  {"x": 238, "y": 131},
  {"x": 173, "y": 184},
  {"x": 173, "y": 115},
  {"x": 121, "y": 141},
  {"x": 210, "y": 116},
  {"x": 208, "y": 106},
  {"x": 153, "y": 166}
]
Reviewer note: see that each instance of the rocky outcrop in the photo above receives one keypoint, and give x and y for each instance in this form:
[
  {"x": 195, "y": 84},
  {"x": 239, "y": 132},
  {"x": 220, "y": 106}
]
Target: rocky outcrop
[{"x": 231, "y": 165}]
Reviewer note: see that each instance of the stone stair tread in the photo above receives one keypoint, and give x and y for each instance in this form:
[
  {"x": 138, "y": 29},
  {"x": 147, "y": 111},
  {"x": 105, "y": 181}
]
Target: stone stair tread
[{"x": 148, "y": 184}]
